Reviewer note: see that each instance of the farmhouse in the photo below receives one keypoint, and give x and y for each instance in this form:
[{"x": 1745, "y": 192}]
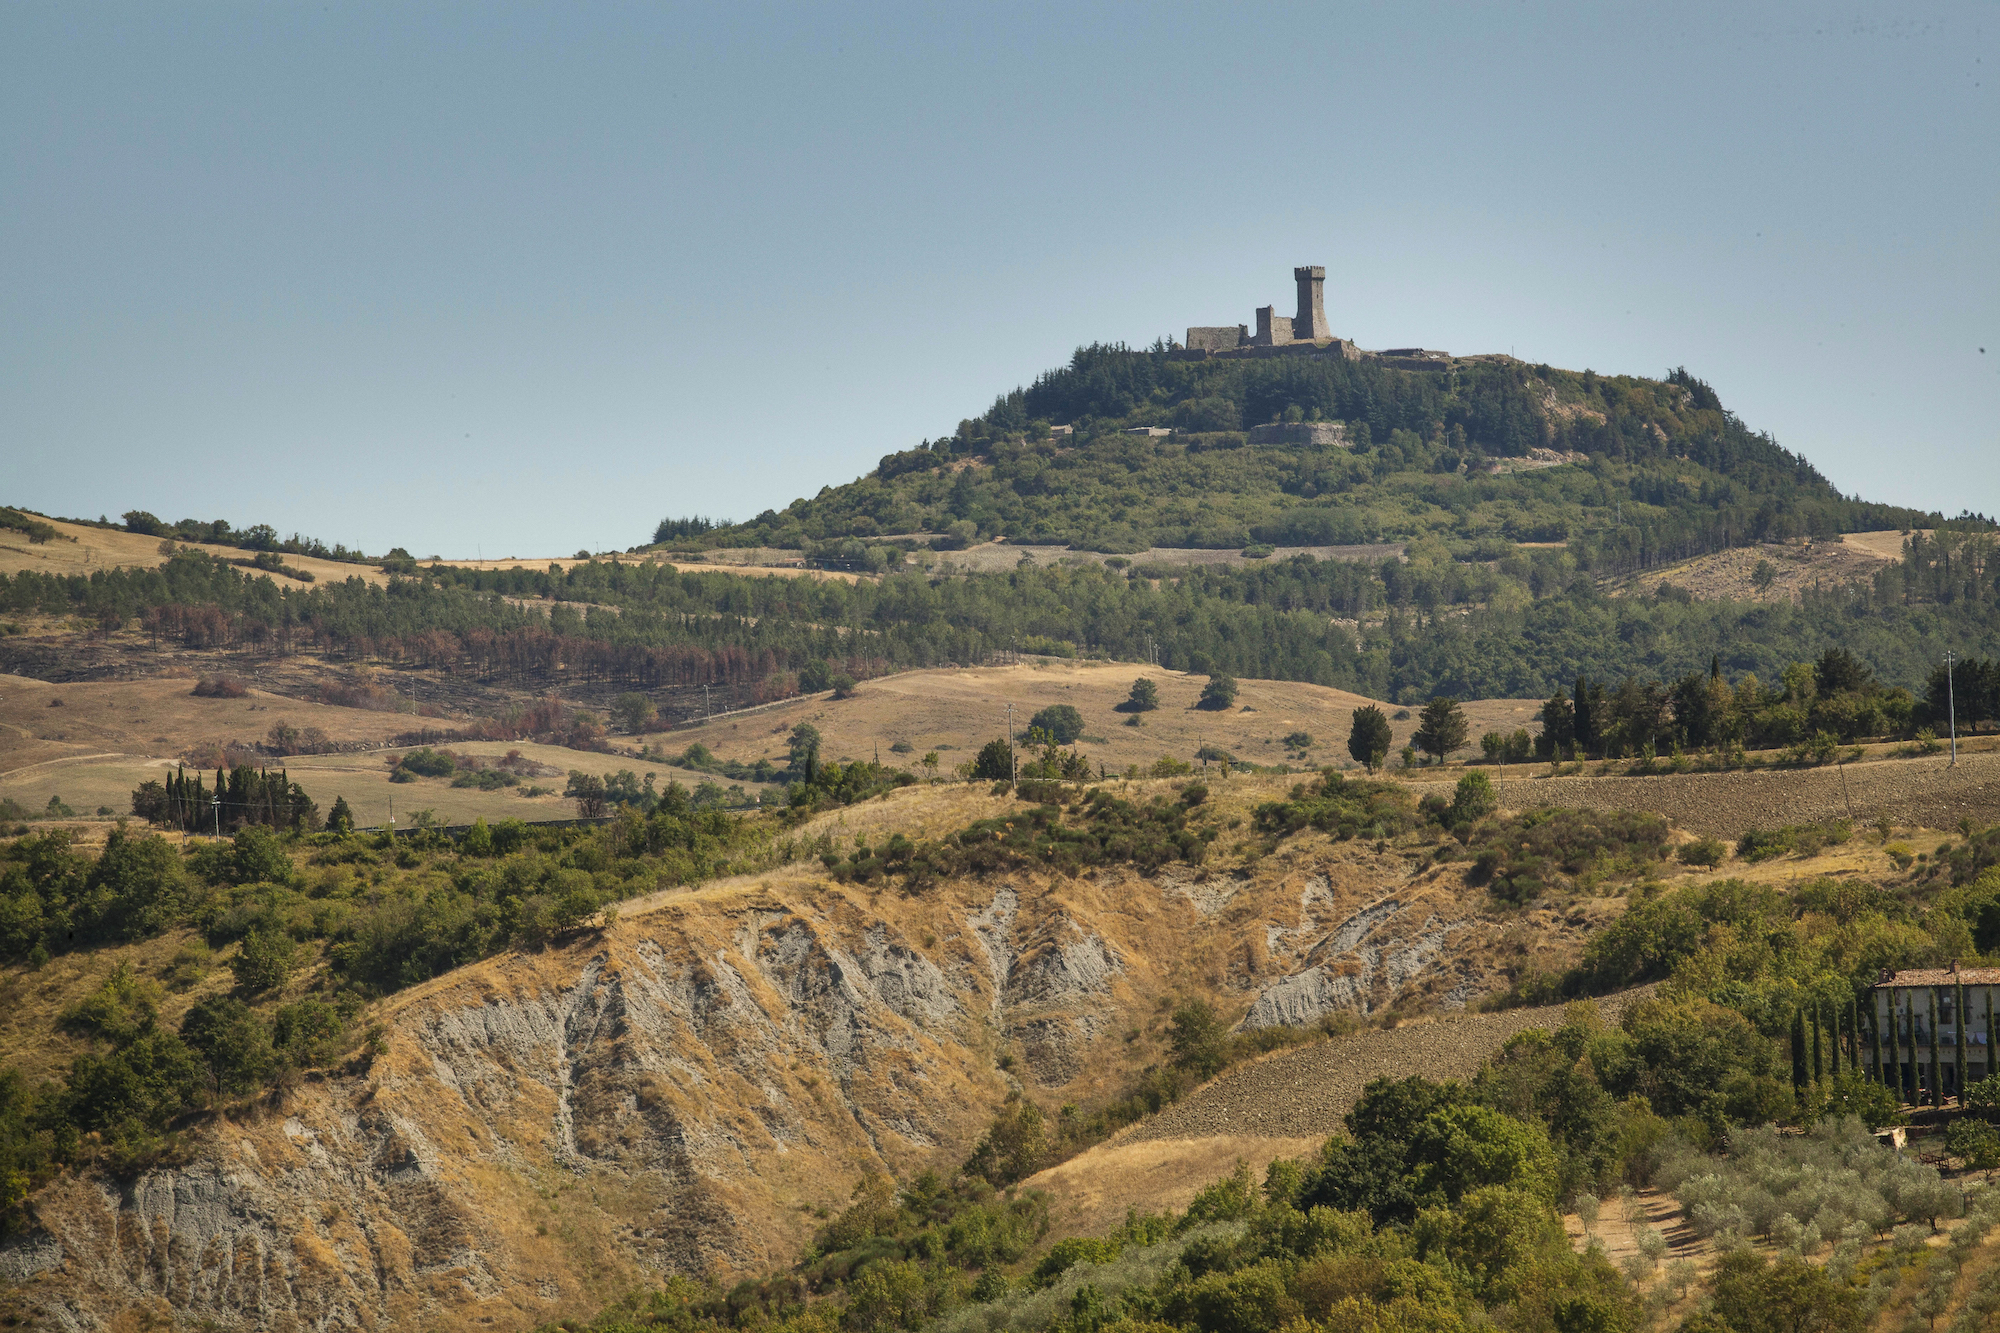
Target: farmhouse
[{"x": 1933, "y": 1029}]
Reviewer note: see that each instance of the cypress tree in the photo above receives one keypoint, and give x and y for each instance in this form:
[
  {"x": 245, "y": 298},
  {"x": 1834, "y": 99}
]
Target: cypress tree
[
  {"x": 1937, "y": 1097},
  {"x": 1834, "y": 1067},
  {"x": 1819, "y": 1069},
  {"x": 1958, "y": 1030},
  {"x": 1798, "y": 1050},
  {"x": 1881, "y": 1051}
]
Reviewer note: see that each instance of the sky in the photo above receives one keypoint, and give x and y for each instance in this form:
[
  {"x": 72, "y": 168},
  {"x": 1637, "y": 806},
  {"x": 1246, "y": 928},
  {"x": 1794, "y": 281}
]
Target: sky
[{"x": 522, "y": 279}]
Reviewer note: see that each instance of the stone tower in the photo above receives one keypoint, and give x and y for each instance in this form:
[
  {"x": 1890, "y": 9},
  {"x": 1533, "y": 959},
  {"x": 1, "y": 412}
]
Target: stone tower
[{"x": 1310, "y": 322}]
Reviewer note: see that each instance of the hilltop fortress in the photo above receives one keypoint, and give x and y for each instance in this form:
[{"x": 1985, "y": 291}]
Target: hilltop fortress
[
  {"x": 1303, "y": 334},
  {"x": 1273, "y": 330}
]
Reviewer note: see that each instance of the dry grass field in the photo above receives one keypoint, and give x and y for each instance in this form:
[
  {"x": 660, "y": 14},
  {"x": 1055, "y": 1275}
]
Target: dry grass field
[
  {"x": 963, "y": 708},
  {"x": 78, "y": 549},
  {"x": 107, "y": 737},
  {"x": 1795, "y": 568}
]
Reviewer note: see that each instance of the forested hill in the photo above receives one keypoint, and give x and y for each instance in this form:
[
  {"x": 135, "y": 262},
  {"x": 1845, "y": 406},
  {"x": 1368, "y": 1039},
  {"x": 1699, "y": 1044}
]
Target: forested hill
[
  {"x": 1501, "y": 590},
  {"x": 1659, "y": 470}
]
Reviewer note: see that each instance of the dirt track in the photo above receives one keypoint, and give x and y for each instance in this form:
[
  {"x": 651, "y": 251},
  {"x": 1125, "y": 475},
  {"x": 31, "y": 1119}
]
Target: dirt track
[
  {"x": 1304, "y": 1092},
  {"x": 1912, "y": 792}
]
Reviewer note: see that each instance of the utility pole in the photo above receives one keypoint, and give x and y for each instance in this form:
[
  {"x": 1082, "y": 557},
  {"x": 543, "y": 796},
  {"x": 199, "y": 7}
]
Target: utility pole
[
  {"x": 1951, "y": 697},
  {"x": 218, "y": 812}
]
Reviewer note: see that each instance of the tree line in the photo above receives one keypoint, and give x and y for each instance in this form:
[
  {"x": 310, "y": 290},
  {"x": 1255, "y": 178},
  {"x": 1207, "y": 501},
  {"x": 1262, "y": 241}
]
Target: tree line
[{"x": 1501, "y": 622}]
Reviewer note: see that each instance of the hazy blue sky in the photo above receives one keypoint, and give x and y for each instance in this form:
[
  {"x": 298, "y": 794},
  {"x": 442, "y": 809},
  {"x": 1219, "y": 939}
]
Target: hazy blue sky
[{"x": 522, "y": 278}]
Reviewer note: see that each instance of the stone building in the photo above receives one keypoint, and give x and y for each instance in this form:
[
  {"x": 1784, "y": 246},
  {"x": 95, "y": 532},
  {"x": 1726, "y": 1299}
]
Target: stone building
[
  {"x": 1931, "y": 1030},
  {"x": 1273, "y": 330}
]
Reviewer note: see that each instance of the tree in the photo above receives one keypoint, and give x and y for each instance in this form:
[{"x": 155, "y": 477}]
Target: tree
[
  {"x": 1974, "y": 1142},
  {"x": 1463, "y": 1148},
  {"x": 802, "y": 748},
  {"x": 1441, "y": 727},
  {"x": 1472, "y": 801},
  {"x": 1789, "y": 1296},
  {"x": 1145, "y": 696},
  {"x": 1062, "y": 722},
  {"x": 930, "y": 763},
  {"x": 260, "y": 857},
  {"x": 1198, "y": 1039},
  {"x": 232, "y": 1042},
  {"x": 1370, "y": 739},
  {"x": 140, "y": 884},
  {"x": 340, "y": 819},
  {"x": 634, "y": 712},
  {"x": 150, "y": 803},
  {"x": 1219, "y": 693},
  {"x": 815, "y": 676},
  {"x": 1801, "y": 1069},
  {"x": 593, "y": 799},
  {"x": 264, "y": 960},
  {"x": 995, "y": 762},
  {"x": 843, "y": 686}
]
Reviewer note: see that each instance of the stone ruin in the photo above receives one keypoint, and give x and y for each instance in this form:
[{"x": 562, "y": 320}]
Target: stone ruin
[{"x": 1308, "y": 326}]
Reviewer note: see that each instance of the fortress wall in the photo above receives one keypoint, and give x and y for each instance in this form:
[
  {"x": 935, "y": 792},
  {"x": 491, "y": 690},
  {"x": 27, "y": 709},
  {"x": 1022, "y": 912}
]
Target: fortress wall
[
  {"x": 1313, "y": 433},
  {"x": 1217, "y": 338}
]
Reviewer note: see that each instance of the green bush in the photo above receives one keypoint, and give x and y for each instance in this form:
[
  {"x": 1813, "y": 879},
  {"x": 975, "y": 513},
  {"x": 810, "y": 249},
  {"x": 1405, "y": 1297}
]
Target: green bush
[
  {"x": 1061, "y": 722},
  {"x": 1218, "y": 693},
  {"x": 1344, "y": 807},
  {"x": 1703, "y": 852}
]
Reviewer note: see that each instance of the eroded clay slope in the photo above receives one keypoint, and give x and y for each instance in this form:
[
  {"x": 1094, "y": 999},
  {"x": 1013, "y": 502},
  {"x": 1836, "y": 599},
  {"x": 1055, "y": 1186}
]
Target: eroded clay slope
[{"x": 683, "y": 1091}]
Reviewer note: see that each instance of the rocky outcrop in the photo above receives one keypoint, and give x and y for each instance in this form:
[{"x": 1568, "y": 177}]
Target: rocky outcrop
[{"x": 689, "y": 1090}]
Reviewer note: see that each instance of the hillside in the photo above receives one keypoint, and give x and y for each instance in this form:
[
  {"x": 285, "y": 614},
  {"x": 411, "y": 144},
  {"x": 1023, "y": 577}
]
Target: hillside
[
  {"x": 687, "y": 1089},
  {"x": 695, "y": 1086},
  {"x": 1630, "y": 470}
]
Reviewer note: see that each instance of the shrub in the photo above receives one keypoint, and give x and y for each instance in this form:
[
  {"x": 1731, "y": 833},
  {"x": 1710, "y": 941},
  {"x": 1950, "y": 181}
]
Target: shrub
[
  {"x": 1218, "y": 693},
  {"x": 1062, "y": 723},
  {"x": 994, "y": 763},
  {"x": 1522, "y": 855},
  {"x": 264, "y": 961},
  {"x": 219, "y": 687},
  {"x": 1471, "y": 801},
  {"x": 1703, "y": 852},
  {"x": 427, "y": 762},
  {"x": 1343, "y": 807},
  {"x": 1803, "y": 839}
]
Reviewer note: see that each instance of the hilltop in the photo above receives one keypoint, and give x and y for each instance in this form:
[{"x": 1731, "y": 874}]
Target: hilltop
[{"x": 1627, "y": 471}]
